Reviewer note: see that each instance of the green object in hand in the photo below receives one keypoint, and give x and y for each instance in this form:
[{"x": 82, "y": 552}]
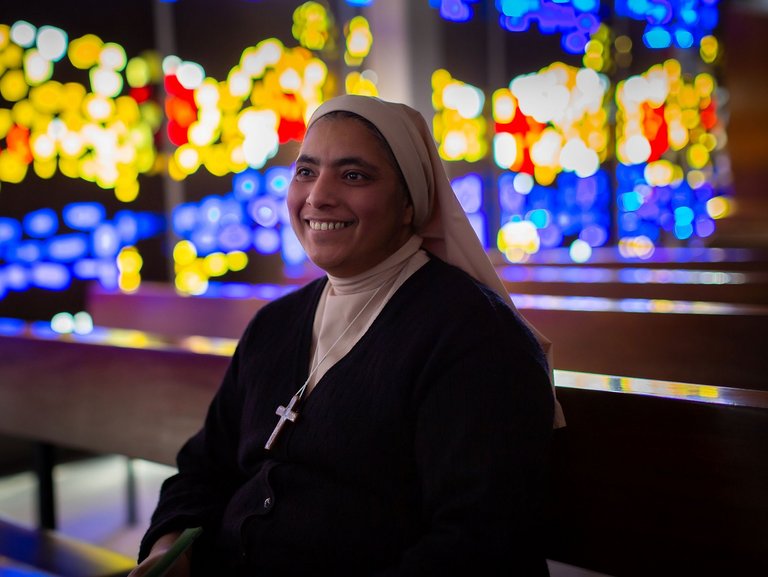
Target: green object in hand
[{"x": 186, "y": 539}]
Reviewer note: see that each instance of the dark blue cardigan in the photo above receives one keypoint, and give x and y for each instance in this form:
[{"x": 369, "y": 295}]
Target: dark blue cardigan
[{"x": 421, "y": 452}]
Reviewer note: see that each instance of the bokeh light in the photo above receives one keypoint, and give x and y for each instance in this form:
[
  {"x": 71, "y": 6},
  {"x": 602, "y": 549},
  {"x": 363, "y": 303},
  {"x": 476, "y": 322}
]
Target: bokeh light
[
  {"x": 575, "y": 20},
  {"x": 97, "y": 133},
  {"x": 669, "y": 137},
  {"x": 673, "y": 23},
  {"x": 49, "y": 250},
  {"x": 218, "y": 232},
  {"x": 458, "y": 126},
  {"x": 553, "y": 139}
]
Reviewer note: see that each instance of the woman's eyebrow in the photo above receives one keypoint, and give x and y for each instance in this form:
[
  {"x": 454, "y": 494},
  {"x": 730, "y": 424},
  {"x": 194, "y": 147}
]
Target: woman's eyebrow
[
  {"x": 307, "y": 159},
  {"x": 356, "y": 161},
  {"x": 339, "y": 162}
]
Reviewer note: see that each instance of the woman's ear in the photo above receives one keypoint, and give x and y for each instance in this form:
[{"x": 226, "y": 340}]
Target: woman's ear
[{"x": 408, "y": 214}]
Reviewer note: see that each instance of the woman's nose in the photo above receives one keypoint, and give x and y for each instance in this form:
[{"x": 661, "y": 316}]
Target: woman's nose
[{"x": 321, "y": 192}]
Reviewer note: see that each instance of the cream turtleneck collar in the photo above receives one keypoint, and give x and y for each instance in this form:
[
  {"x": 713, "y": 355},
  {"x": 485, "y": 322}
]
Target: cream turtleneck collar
[{"x": 348, "y": 306}]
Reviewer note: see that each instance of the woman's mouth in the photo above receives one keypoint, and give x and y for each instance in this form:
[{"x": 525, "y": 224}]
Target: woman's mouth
[{"x": 328, "y": 225}]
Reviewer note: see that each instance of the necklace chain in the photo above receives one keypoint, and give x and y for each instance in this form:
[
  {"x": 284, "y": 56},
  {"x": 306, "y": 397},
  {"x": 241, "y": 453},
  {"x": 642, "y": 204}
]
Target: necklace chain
[
  {"x": 290, "y": 412},
  {"x": 303, "y": 388}
]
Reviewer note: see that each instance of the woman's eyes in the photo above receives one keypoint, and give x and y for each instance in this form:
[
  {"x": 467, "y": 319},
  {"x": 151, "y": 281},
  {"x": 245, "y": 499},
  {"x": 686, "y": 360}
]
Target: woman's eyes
[
  {"x": 354, "y": 176},
  {"x": 350, "y": 175},
  {"x": 300, "y": 171}
]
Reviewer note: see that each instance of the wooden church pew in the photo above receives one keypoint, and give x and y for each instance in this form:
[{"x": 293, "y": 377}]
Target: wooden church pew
[
  {"x": 653, "y": 485},
  {"x": 701, "y": 347},
  {"x": 647, "y": 480},
  {"x": 719, "y": 286},
  {"x": 716, "y": 349},
  {"x": 100, "y": 399}
]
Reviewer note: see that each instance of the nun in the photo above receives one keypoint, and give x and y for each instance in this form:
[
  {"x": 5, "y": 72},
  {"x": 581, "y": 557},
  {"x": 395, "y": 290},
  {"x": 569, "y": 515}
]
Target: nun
[{"x": 391, "y": 418}]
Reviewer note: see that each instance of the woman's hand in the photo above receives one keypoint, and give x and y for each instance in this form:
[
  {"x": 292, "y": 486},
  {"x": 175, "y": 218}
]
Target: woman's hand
[{"x": 180, "y": 568}]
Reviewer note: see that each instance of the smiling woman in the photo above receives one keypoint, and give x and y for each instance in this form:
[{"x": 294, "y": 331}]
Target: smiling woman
[
  {"x": 391, "y": 418},
  {"x": 348, "y": 208}
]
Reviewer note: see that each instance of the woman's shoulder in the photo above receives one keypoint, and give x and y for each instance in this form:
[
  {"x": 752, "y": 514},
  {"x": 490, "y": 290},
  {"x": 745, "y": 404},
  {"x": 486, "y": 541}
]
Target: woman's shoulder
[
  {"x": 448, "y": 284},
  {"x": 458, "y": 300},
  {"x": 454, "y": 312}
]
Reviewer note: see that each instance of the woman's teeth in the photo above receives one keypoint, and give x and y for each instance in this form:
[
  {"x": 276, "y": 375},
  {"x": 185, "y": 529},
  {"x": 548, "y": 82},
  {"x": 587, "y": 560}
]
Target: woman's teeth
[{"x": 317, "y": 225}]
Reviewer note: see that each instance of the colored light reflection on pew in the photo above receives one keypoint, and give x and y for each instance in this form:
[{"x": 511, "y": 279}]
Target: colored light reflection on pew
[
  {"x": 241, "y": 290},
  {"x": 119, "y": 338},
  {"x": 11, "y": 327},
  {"x": 659, "y": 388},
  {"x": 576, "y": 274},
  {"x": 660, "y": 306},
  {"x": 703, "y": 393},
  {"x": 612, "y": 255},
  {"x": 11, "y": 568}
]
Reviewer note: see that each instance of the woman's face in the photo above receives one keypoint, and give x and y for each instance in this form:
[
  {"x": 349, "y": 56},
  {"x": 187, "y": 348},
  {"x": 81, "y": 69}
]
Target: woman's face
[{"x": 347, "y": 205}]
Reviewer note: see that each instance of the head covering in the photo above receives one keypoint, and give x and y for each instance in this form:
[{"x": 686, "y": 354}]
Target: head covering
[{"x": 438, "y": 217}]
